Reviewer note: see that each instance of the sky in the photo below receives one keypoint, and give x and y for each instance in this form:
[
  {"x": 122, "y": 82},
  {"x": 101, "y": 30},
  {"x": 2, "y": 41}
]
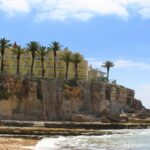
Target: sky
[{"x": 115, "y": 30}]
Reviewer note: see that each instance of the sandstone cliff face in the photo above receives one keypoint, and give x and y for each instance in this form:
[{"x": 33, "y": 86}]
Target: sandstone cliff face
[
  {"x": 22, "y": 103},
  {"x": 60, "y": 103}
]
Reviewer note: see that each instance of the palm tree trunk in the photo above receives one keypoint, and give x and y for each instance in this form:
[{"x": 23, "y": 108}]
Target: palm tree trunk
[
  {"x": 32, "y": 67},
  {"x": 18, "y": 60},
  {"x": 67, "y": 67},
  {"x": 2, "y": 64},
  {"x": 108, "y": 74},
  {"x": 43, "y": 71},
  {"x": 76, "y": 71}
]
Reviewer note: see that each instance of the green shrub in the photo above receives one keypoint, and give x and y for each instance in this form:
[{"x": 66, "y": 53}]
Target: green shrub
[{"x": 72, "y": 82}]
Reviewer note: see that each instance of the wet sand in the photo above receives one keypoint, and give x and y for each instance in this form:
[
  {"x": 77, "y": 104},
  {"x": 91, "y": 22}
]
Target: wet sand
[{"x": 16, "y": 143}]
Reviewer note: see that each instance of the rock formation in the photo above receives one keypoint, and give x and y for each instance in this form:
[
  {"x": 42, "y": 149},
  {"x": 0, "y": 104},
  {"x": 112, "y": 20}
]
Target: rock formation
[{"x": 51, "y": 100}]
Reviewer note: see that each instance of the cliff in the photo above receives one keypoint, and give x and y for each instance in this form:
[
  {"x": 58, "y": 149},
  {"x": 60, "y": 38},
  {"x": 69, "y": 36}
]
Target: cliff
[
  {"x": 22, "y": 102},
  {"x": 49, "y": 100}
]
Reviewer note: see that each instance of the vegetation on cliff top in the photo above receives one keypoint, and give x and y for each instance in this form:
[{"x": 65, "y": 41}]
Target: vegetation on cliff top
[
  {"x": 108, "y": 65},
  {"x": 36, "y": 49},
  {"x": 4, "y": 43}
]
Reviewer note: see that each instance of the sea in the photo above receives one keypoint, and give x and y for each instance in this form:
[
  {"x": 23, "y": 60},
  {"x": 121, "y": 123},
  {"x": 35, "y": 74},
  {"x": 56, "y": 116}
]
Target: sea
[{"x": 120, "y": 140}]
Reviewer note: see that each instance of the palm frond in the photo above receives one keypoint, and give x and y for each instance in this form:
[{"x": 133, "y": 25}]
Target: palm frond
[
  {"x": 77, "y": 58},
  {"x": 67, "y": 55}
]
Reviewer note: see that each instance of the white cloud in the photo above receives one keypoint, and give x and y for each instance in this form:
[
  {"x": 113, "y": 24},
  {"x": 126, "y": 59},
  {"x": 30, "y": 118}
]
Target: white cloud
[
  {"x": 145, "y": 12},
  {"x": 76, "y": 9},
  {"x": 11, "y": 7},
  {"x": 95, "y": 62},
  {"x": 81, "y": 9},
  {"x": 129, "y": 64},
  {"x": 121, "y": 64}
]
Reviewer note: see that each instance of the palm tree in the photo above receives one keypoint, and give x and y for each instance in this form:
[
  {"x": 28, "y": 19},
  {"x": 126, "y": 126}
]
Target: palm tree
[
  {"x": 4, "y": 43},
  {"x": 32, "y": 47},
  {"x": 55, "y": 46},
  {"x": 108, "y": 65},
  {"x": 76, "y": 59},
  {"x": 67, "y": 58},
  {"x": 18, "y": 51},
  {"x": 42, "y": 51}
]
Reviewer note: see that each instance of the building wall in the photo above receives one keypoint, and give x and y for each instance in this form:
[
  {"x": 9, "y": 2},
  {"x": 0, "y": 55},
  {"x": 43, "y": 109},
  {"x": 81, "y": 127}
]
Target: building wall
[
  {"x": 10, "y": 66},
  {"x": 94, "y": 74}
]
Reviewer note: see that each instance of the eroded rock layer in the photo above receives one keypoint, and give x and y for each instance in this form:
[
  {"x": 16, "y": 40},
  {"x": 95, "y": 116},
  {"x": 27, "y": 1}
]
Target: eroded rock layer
[{"x": 56, "y": 101}]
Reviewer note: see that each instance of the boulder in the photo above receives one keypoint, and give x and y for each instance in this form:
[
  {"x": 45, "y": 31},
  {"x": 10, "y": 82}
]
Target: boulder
[
  {"x": 104, "y": 120},
  {"x": 82, "y": 118},
  {"x": 123, "y": 117},
  {"x": 143, "y": 114},
  {"x": 113, "y": 117}
]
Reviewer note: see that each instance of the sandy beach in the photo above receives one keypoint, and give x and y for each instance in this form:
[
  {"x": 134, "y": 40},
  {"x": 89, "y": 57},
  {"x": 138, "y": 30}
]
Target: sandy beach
[{"x": 16, "y": 143}]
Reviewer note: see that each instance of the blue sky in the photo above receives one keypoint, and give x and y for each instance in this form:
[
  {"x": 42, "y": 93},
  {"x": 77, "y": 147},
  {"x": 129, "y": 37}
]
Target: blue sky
[{"x": 116, "y": 30}]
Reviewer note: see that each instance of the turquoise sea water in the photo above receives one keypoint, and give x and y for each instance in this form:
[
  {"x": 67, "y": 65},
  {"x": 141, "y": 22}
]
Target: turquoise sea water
[{"x": 120, "y": 140}]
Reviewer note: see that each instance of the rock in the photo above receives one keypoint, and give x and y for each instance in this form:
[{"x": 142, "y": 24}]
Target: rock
[
  {"x": 137, "y": 105},
  {"x": 82, "y": 118},
  {"x": 143, "y": 114},
  {"x": 22, "y": 103},
  {"x": 124, "y": 117},
  {"x": 104, "y": 120},
  {"x": 113, "y": 117},
  {"x": 123, "y": 121},
  {"x": 131, "y": 110},
  {"x": 123, "y": 114},
  {"x": 105, "y": 112},
  {"x": 49, "y": 100}
]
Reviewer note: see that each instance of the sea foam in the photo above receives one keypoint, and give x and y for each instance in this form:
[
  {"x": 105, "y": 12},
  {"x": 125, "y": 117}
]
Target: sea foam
[
  {"x": 49, "y": 143},
  {"x": 119, "y": 140}
]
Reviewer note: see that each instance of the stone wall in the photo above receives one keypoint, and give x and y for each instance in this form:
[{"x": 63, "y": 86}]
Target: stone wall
[{"x": 59, "y": 102}]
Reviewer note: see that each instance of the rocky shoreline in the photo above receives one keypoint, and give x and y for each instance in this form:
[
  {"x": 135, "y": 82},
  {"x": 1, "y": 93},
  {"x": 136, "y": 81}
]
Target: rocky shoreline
[
  {"x": 24, "y": 135},
  {"x": 38, "y": 130}
]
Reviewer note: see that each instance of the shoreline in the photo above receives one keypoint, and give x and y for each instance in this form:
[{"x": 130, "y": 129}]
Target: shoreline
[
  {"x": 8, "y": 142},
  {"x": 24, "y": 135},
  {"x": 39, "y": 129}
]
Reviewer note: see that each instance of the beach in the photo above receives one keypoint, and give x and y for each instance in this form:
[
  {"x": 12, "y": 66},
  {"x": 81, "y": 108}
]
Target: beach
[
  {"x": 16, "y": 143},
  {"x": 24, "y": 135}
]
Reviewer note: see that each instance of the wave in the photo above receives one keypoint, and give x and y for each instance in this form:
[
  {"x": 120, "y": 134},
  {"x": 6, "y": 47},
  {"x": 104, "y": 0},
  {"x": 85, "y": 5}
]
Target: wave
[
  {"x": 120, "y": 139},
  {"x": 49, "y": 143}
]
